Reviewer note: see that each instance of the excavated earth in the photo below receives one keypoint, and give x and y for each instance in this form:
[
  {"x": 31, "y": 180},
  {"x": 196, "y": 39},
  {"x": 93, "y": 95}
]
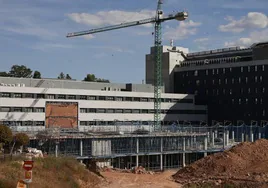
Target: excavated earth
[{"x": 244, "y": 165}]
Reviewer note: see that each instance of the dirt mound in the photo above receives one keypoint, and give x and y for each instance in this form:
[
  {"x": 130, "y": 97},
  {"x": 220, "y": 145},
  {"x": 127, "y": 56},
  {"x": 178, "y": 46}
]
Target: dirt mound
[
  {"x": 244, "y": 164},
  {"x": 50, "y": 172}
]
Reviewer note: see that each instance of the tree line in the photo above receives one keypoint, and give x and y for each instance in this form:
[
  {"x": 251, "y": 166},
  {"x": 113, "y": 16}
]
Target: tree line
[{"x": 21, "y": 71}]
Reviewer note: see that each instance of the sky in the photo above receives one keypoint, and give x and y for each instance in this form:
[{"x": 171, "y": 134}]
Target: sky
[{"x": 33, "y": 33}]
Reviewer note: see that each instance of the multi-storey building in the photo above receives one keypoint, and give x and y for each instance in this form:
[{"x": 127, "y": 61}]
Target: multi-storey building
[
  {"x": 233, "y": 82},
  {"x": 39, "y": 103}
]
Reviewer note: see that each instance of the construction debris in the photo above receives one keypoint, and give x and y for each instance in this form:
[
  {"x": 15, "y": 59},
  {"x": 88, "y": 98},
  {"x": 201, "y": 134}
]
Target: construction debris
[
  {"x": 135, "y": 170},
  {"x": 243, "y": 165}
]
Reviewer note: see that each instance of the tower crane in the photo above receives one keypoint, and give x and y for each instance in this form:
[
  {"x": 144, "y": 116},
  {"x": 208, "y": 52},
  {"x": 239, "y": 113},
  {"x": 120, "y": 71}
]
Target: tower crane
[{"x": 157, "y": 20}]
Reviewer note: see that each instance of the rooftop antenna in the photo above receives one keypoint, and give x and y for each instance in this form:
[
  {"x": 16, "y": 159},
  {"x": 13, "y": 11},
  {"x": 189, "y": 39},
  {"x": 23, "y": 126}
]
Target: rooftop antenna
[{"x": 171, "y": 43}]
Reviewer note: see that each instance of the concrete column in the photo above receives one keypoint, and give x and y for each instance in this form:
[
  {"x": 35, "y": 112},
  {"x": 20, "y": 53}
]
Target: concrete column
[
  {"x": 161, "y": 155},
  {"x": 224, "y": 139},
  {"x": 233, "y": 136},
  {"x": 259, "y": 135},
  {"x": 183, "y": 152},
  {"x": 56, "y": 149},
  {"x": 212, "y": 140},
  {"x": 81, "y": 147},
  {"x": 242, "y": 137},
  {"x": 137, "y": 152},
  {"x": 216, "y": 134},
  {"x": 205, "y": 146},
  {"x": 251, "y": 137},
  {"x": 227, "y": 138}
]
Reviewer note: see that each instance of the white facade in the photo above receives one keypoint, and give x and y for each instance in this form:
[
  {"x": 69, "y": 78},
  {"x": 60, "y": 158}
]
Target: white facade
[{"x": 18, "y": 109}]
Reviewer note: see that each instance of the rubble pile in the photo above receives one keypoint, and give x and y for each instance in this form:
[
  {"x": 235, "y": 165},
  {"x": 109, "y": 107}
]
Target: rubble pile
[{"x": 245, "y": 164}]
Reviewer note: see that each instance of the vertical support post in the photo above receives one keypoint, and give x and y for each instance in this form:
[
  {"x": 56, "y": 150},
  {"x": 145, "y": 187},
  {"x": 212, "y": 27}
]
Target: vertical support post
[
  {"x": 242, "y": 137},
  {"x": 212, "y": 140},
  {"x": 137, "y": 151},
  {"x": 251, "y": 137},
  {"x": 56, "y": 149},
  {"x": 81, "y": 147},
  {"x": 259, "y": 135},
  {"x": 227, "y": 138},
  {"x": 161, "y": 155},
  {"x": 183, "y": 152},
  {"x": 216, "y": 134},
  {"x": 205, "y": 146},
  {"x": 224, "y": 139},
  {"x": 233, "y": 136}
]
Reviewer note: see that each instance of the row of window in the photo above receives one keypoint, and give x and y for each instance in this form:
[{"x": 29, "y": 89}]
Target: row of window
[
  {"x": 87, "y": 97},
  {"x": 21, "y": 109},
  {"x": 230, "y": 91},
  {"x": 23, "y": 123},
  {"x": 254, "y": 68},
  {"x": 238, "y": 80},
  {"x": 139, "y": 111}
]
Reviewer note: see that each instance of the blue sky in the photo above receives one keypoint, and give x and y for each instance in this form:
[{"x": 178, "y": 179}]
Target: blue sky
[{"x": 33, "y": 33}]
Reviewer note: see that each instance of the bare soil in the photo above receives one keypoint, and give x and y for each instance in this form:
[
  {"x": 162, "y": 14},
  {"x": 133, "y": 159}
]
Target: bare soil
[
  {"x": 131, "y": 180},
  {"x": 244, "y": 165}
]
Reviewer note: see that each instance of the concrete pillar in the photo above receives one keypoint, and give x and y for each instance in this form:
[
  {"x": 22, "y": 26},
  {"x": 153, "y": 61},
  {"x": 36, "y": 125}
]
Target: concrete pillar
[
  {"x": 233, "y": 136},
  {"x": 205, "y": 146},
  {"x": 183, "y": 152},
  {"x": 227, "y": 138},
  {"x": 251, "y": 137},
  {"x": 212, "y": 139},
  {"x": 161, "y": 155},
  {"x": 137, "y": 152},
  {"x": 216, "y": 134},
  {"x": 56, "y": 149},
  {"x": 242, "y": 137},
  {"x": 81, "y": 147},
  {"x": 259, "y": 135},
  {"x": 224, "y": 139}
]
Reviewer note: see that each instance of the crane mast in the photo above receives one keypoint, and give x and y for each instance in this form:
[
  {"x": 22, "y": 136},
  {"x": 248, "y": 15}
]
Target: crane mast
[{"x": 157, "y": 20}]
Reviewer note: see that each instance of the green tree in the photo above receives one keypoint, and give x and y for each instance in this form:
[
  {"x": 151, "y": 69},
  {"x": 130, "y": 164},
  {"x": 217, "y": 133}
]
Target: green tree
[
  {"x": 20, "y": 71},
  {"x": 21, "y": 139},
  {"x": 90, "y": 78},
  {"x": 37, "y": 75},
  {"x": 61, "y": 76},
  {"x": 4, "y": 74},
  {"x": 5, "y": 134},
  {"x": 68, "y": 77}
]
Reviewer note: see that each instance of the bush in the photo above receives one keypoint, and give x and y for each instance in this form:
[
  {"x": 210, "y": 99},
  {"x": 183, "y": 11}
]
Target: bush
[
  {"x": 21, "y": 139},
  {"x": 5, "y": 134}
]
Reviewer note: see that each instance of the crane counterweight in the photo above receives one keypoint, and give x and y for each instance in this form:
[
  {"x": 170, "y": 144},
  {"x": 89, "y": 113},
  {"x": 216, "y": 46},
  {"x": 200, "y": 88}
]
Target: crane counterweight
[{"x": 157, "y": 20}]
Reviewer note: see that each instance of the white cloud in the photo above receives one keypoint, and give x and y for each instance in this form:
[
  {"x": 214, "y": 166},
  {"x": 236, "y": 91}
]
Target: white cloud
[
  {"x": 201, "y": 40},
  {"x": 110, "y": 17},
  {"x": 49, "y": 46},
  {"x": 182, "y": 31},
  {"x": 88, "y": 37},
  {"x": 252, "y": 20},
  {"x": 256, "y": 36}
]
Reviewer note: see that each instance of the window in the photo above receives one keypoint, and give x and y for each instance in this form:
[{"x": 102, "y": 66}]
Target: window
[
  {"x": 246, "y": 79},
  {"x": 232, "y": 80},
  {"x": 92, "y": 110},
  {"x": 5, "y": 109},
  {"x": 83, "y": 97},
  {"x": 248, "y": 90},
  {"x": 17, "y": 123},
  {"x": 135, "y": 111},
  {"x": 136, "y": 99},
  {"x": 110, "y": 111},
  {"x": 71, "y": 97},
  {"x": 17, "y": 109},
  {"x": 242, "y": 69},
  {"x": 217, "y": 71},
  {"x": 260, "y": 78},
  {"x": 262, "y": 67},
  {"x": 197, "y": 82},
  {"x": 83, "y": 110},
  {"x": 256, "y": 68},
  {"x": 196, "y": 73},
  {"x": 246, "y": 101},
  {"x": 119, "y": 111},
  {"x": 223, "y": 70},
  {"x": 109, "y": 98},
  {"x": 261, "y": 100},
  {"x": 256, "y": 100},
  {"x": 28, "y": 109},
  {"x": 231, "y": 92},
  {"x": 241, "y": 90},
  {"x": 223, "y": 91},
  {"x": 28, "y": 123},
  {"x": 102, "y": 98},
  {"x": 239, "y": 101},
  {"x": 83, "y": 123},
  {"x": 263, "y": 89},
  {"x": 256, "y": 90},
  {"x": 127, "y": 111},
  {"x": 39, "y": 110},
  {"x": 92, "y": 97},
  {"x": 213, "y": 82},
  {"x": 128, "y": 98},
  {"x": 6, "y": 95},
  {"x": 40, "y": 123},
  {"x": 28, "y": 95},
  {"x": 61, "y": 96},
  {"x": 239, "y": 80},
  {"x": 226, "y": 81},
  {"x": 17, "y": 95},
  {"x": 230, "y": 69},
  {"x": 50, "y": 96},
  {"x": 206, "y": 72},
  {"x": 101, "y": 110},
  {"x": 119, "y": 98},
  {"x": 207, "y": 91},
  {"x": 263, "y": 112},
  {"x": 233, "y": 101},
  {"x": 205, "y": 81},
  {"x": 219, "y": 81},
  {"x": 40, "y": 96},
  {"x": 256, "y": 79},
  {"x": 213, "y": 71},
  {"x": 248, "y": 68}
]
